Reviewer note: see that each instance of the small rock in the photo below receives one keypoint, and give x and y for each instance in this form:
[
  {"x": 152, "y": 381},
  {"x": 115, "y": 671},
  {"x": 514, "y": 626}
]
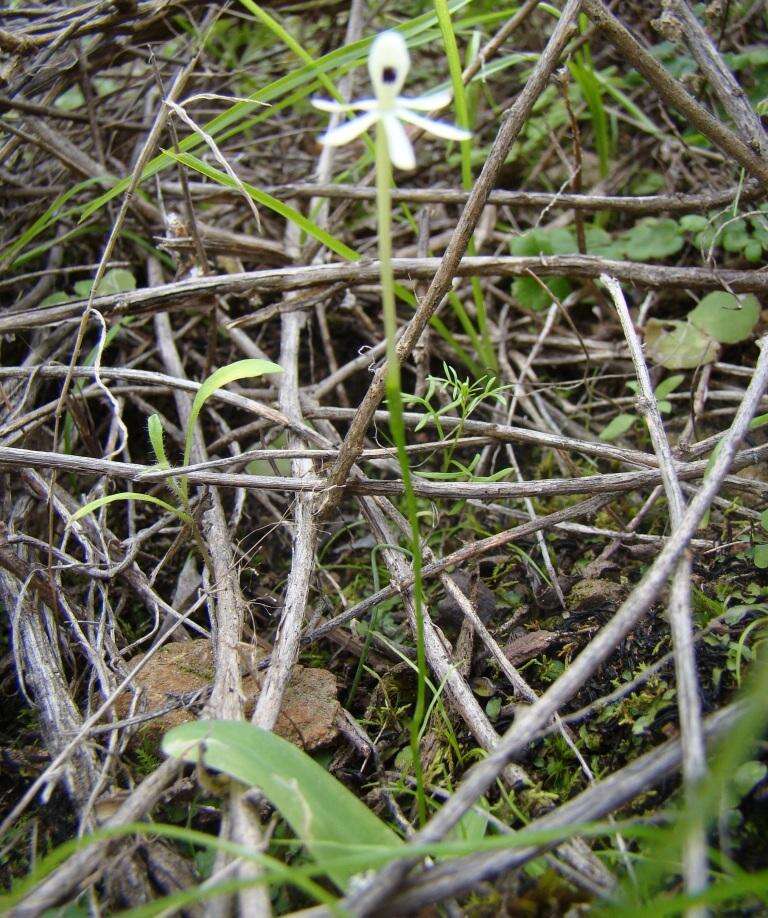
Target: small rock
[
  {"x": 307, "y": 716},
  {"x": 589, "y": 595},
  {"x": 529, "y": 645}
]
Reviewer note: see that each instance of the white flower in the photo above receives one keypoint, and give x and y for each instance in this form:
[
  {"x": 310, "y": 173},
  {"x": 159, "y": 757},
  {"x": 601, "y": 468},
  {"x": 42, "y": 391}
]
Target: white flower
[{"x": 388, "y": 65}]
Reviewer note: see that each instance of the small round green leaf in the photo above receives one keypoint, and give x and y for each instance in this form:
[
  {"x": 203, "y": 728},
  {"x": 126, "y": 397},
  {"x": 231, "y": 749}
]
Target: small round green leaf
[
  {"x": 678, "y": 345},
  {"x": 693, "y": 223},
  {"x": 760, "y": 556},
  {"x": 747, "y": 775},
  {"x": 726, "y": 317},
  {"x": 652, "y": 238}
]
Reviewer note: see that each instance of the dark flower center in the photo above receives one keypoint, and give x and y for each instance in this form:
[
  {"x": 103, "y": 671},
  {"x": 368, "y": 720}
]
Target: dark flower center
[{"x": 389, "y": 74}]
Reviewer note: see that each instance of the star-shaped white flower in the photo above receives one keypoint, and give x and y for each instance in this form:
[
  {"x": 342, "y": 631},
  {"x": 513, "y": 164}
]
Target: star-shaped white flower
[{"x": 388, "y": 65}]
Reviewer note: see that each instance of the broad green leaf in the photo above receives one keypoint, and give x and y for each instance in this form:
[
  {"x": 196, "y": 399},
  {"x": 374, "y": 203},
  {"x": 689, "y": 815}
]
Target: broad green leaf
[
  {"x": 652, "y": 238},
  {"x": 618, "y": 426},
  {"x": 55, "y": 299},
  {"x": 493, "y": 708},
  {"x": 261, "y": 197},
  {"x": 241, "y": 369},
  {"x": 544, "y": 242},
  {"x": 694, "y": 223},
  {"x": 600, "y": 242},
  {"x": 532, "y": 295},
  {"x": 760, "y": 556},
  {"x": 526, "y": 290},
  {"x": 128, "y": 495},
  {"x": 474, "y": 823},
  {"x": 117, "y": 280},
  {"x": 735, "y": 236},
  {"x": 726, "y": 317},
  {"x": 682, "y": 347},
  {"x": 327, "y": 817},
  {"x": 764, "y": 520}
]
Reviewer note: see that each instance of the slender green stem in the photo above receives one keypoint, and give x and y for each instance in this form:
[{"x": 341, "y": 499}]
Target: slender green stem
[
  {"x": 482, "y": 341},
  {"x": 397, "y": 427}
]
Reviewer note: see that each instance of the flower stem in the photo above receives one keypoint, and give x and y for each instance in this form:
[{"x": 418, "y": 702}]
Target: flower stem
[{"x": 397, "y": 428}]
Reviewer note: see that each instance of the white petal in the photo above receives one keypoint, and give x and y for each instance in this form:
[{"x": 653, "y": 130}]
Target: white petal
[
  {"x": 429, "y": 103},
  {"x": 366, "y": 105},
  {"x": 388, "y": 65},
  {"x": 437, "y": 128},
  {"x": 326, "y": 105},
  {"x": 337, "y": 137},
  {"x": 362, "y": 105},
  {"x": 400, "y": 147}
]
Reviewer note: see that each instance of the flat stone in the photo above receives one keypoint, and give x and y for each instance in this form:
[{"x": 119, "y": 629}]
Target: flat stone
[
  {"x": 307, "y": 716},
  {"x": 591, "y": 594},
  {"x": 529, "y": 645}
]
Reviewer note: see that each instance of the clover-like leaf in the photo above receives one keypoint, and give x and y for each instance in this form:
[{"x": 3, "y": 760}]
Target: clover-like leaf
[
  {"x": 735, "y": 236},
  {"x": 726, "y": 317},
  {"x": 527, "y": 291},
  {"x": 678, "y": 345},
  {"x": 653, "y": 238},
  {"x": 693, "y": 223},
  {"x": 760, "y": 556}
]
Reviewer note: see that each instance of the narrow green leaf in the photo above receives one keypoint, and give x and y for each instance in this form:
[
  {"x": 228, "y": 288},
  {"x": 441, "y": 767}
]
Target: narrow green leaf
[
  {"x": 668, "y": 385},
  {"x": 128, "y": 495},
  {"x": 618, "y": 426},
  {"x": 155, "y": 430},
  {"x": 319, "y": 809},
  {"x": 53, "y": 213},
  {"x": 300, "y": 83},
  {"x": 241, "y": 369},
  {"x": 261, "y": 197}
]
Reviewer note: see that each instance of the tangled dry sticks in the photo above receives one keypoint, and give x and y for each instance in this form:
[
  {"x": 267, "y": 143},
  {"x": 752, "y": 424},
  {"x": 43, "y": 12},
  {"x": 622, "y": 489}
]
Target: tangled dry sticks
[{"x": 589, "y": 523}]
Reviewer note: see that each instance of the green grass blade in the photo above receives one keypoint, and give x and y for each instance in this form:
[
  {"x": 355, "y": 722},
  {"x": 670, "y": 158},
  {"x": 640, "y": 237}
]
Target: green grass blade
[
  {"x": 304, "y": 81},
  {"x": 592, "y": 92},
  {"x": 241, "y": 369},
  {"x": 289, "y": 41},
  {"x": 128, "y": 495},
  {"x": 51, "y": 215},
  {"x": 278, "y": 207}
]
